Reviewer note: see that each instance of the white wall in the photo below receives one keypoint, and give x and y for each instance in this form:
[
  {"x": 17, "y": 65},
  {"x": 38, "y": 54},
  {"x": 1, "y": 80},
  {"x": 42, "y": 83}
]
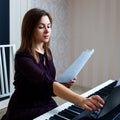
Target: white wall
[
  {"x": 17, "y": 11},
  {"x": 78, "y": 25},
  {"x": 96, "y": 25}
]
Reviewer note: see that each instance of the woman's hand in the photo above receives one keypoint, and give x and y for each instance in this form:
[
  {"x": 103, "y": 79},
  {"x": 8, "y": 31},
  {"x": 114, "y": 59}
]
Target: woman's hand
[
  {"x": 93, "y": 103},
  {"x": 69, "y": 84}
]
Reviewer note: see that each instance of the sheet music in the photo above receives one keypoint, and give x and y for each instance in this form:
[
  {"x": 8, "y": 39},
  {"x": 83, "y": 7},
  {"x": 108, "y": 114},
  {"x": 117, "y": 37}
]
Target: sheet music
[{"x": 75, "y": 67}]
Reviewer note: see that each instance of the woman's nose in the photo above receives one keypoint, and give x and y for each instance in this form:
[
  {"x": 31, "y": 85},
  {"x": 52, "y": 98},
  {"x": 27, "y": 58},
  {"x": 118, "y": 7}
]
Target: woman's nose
[{"x": 46, "y": 29}]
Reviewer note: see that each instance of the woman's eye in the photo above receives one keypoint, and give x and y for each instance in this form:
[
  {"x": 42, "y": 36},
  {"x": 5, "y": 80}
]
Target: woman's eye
[
  {"x": 41, "y": 26},
  {"x": 49, "y": 26}
]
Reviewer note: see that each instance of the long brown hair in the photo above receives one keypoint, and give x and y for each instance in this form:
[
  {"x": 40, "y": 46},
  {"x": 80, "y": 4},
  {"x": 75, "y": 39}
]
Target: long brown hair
[{"x": 29, "y": 23}]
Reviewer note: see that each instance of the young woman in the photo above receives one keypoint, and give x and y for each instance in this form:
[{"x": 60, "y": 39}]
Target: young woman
[{"x": 35, "y": 82}]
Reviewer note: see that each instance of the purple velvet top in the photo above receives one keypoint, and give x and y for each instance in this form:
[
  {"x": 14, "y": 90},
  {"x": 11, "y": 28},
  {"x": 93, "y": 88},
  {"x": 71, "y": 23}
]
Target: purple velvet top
[{"x": 33, "y": 87}]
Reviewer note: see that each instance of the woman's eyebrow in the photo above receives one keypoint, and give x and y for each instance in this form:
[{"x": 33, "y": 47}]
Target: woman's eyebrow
[{"x": 44, "y": 24}]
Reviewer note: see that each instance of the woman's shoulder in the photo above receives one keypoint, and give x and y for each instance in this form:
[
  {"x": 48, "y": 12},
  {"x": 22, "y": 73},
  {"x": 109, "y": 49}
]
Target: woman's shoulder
[
  {"x": 24, "y": 57},
  {"x": 23, "y": 54}
]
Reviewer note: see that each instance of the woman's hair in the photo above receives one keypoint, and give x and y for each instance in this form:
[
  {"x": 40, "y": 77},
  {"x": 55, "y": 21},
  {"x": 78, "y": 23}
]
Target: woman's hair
[{"x": 29, "y": 23}]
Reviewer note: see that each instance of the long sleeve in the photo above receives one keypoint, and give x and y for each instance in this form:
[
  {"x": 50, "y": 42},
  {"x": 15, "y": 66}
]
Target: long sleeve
[
  {"x": 33, "y": 88},
  {"x": 33, "y": 78}
]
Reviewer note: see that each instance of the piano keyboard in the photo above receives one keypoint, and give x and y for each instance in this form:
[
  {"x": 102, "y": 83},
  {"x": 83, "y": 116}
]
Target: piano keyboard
[{"x": 69, "y": 111}]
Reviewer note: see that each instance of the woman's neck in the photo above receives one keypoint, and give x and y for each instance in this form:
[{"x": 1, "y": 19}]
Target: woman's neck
[{"x": 39, "y": 48}]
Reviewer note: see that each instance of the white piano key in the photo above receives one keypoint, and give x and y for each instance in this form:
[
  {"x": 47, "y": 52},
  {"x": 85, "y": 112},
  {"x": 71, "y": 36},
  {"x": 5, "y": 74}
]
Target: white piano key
[{"x": 54, "y": 111}]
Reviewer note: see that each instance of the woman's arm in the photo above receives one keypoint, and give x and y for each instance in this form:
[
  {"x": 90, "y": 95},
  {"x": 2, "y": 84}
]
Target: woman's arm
[
  {"x": 91, "y": 103},
  {"x": 69, "y": 84}
]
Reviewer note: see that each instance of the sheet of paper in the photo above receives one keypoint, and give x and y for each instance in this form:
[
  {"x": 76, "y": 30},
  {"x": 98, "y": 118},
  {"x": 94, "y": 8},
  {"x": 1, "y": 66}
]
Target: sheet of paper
[{"x": 75, "y": 67}]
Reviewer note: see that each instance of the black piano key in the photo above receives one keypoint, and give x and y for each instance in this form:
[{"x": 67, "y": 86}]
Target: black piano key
[
  {"x": 95, "y": 114},
  {"x": 67, "y": 114},
  {"x": 76, "y": 108},
  {"x": 72, "y": 112},
  {"x": 56, "y": 117},
  {"x": 75, "y": 112}
]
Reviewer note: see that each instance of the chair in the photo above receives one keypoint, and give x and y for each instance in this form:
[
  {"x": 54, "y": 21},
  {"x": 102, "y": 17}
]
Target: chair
[{"x": 7, "y": 53}]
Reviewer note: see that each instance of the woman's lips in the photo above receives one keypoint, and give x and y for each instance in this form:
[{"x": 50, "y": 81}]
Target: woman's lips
[{"x": 46, "y": 36}]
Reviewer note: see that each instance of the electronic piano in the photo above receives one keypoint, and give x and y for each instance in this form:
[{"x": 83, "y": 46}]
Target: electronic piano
[{"x": 69, "y": 111}]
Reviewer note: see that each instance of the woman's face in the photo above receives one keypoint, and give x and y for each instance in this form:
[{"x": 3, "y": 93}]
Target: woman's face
[{"x": 43, "y": 30}]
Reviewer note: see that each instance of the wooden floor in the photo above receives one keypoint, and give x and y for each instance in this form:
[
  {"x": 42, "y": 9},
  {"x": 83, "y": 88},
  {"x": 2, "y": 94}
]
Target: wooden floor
[{"x": 58, "y": 100}]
